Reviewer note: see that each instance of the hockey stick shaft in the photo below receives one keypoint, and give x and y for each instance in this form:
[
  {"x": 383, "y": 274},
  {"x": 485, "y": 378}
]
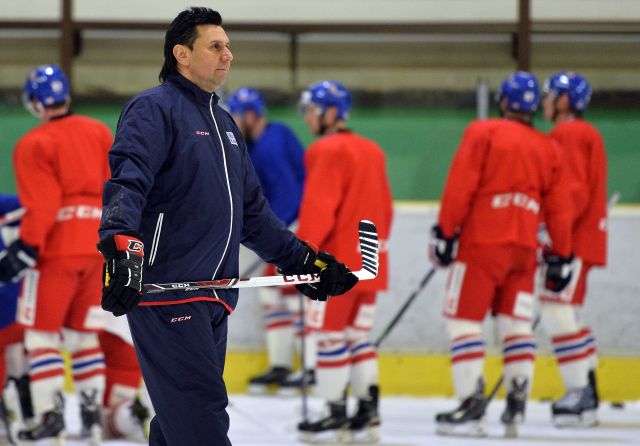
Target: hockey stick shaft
[
  {"x": 367, "y": 235},
  {"x": 423, "y": 283},
  {"x": 12, "y": 216}
]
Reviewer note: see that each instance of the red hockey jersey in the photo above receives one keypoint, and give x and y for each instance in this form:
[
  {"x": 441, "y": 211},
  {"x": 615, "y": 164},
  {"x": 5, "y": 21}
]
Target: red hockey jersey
[
  {"x": 346, "y": 182},
  {"x": 60, "y": 168},
  {"x": 501, "y": 175},
  {"x": 586, "y": 159}
]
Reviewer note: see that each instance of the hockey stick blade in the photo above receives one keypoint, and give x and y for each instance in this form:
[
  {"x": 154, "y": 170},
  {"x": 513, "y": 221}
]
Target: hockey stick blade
[{"x": 367, "y": 235}]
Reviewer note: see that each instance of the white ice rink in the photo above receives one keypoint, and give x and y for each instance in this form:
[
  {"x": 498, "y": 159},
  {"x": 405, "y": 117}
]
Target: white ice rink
[{"x": 270, "y": 421}]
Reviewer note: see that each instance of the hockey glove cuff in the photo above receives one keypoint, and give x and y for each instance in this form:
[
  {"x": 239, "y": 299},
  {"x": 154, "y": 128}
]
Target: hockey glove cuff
[
  {"x": 122, "y": 273},
  {"x": 18, "y": 257},
  {"x": 335, "y": 277},
  {"x": 559, "y": 271},
  {"x": 442, "y": 250}
]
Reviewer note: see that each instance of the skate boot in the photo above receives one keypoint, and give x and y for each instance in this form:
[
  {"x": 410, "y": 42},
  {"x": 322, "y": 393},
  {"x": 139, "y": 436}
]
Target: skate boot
[
  {"x": 141, "y": 413},
  {"x": 8, "y": 419},
  {"x": 50, "y": 425},
  {"x": 467, "y": 419},
  {"x": 91, "y": 417},
  {"x": 364, "y": 425},
  {"x": 576, "y": 409},
  {"x": 331, "y": 428},
  {"x": 292, "y": 384},
  {"x": 513, "y": 414},
  {"x": 594, "y": 387},
  {"x": 268, "y": 381}
]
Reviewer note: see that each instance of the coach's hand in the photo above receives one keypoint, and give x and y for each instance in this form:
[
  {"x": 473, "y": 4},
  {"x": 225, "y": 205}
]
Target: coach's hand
[
  {"x": 442, "y": 249},
  {"x": 335, "y": 277},
  {"x": 122, "y": 274},
  {"x": 18, "y": 257}
]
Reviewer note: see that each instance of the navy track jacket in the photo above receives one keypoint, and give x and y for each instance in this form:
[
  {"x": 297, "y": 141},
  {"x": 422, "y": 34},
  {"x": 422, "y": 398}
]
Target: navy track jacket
[{"x": 182, "y": 178}]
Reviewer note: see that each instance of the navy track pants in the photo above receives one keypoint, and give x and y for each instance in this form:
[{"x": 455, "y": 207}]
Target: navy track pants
[{"x": 182, "y": 349}]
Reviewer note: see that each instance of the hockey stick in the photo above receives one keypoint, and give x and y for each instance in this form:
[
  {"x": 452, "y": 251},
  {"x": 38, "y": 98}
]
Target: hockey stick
[
  {"x": 410, "y": 299},
  {"x": 368, "y": 237},
  {"x": 12, "y": 216}
]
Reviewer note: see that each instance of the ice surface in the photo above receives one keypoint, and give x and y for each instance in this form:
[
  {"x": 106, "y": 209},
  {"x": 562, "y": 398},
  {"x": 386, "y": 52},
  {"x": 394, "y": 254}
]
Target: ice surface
[{"x": 271, "y": 421}]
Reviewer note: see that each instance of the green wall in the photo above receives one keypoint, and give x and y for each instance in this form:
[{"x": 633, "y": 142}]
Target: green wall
[{"x": 419, "y": 143}]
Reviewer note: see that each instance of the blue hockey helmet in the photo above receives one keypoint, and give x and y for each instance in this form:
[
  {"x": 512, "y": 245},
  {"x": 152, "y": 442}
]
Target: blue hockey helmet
[
  {"x": 521, "y": 91},
  {"x": 48, "y": 85},
  {"x": 243, "y": 99},
  {"x": 328, "y": 94},
  {"x": 572, "y": 84}
]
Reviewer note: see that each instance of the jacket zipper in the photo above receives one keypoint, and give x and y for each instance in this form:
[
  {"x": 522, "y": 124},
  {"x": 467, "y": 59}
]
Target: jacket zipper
[
  {"x": 226, "y": 174},
  {"x": 156, "y": 239}
]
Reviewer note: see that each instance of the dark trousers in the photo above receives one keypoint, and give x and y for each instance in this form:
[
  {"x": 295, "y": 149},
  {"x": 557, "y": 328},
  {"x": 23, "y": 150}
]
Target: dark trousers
[{"x": 182, "y": 349}]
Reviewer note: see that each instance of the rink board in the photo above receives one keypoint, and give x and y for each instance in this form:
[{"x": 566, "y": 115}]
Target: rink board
[{"x": 430, "y": 375}]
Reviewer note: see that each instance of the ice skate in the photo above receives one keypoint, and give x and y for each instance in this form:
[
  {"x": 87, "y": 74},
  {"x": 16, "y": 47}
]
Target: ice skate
[
  {"x": 91, "y": 418},
  {"x": 365, "y": 424},
  {"x": 576, "y": 409},
  {"x": 268, "y": 381},
  {"x": 9, "y": 421},
  {"x": 292, "y": 385},
  {"x": 333, "y": 428},
  {"x": 594, "y": 387},
  {"x": 467, "y": 419},
  {"x": 513, "y": 414},
  {"x": 141, "y": 413},
  {"x": 50, "y": 425}
]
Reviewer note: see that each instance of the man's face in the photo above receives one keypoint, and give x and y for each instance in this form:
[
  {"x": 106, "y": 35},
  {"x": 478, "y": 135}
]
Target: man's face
[
  {"x": 208, "y": 63},
  {"x": 312, "y": 117}
]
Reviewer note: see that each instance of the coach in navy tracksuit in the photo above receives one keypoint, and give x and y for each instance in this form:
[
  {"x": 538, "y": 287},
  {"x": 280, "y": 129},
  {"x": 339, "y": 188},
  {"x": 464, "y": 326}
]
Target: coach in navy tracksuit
[{"x": 183, "y": 195}]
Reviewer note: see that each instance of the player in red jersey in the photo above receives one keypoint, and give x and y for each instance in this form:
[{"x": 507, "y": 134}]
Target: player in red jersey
[
  {"x": 503, "y": 172},
  {"x": 346, "y": 182},
  {"x": 567, "y": 97},
  {"x": 60, "y": 169}
]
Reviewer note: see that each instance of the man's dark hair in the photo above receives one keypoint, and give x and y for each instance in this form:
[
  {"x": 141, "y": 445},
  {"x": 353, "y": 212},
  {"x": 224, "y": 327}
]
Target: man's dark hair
[{"x": 182, "y": 31}]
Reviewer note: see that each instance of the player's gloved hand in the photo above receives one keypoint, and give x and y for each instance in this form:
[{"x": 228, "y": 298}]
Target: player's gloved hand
[
  {"x": 559, "y": 271},
  {"x": 122, "y": 274},
  {"x": 442, "y": 250},
  {"x": 335, "y": 277},
  {"x": 18, "y": 257}
]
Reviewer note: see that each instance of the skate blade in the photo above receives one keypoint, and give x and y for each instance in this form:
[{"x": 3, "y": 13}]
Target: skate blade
[
  {"x": 50, "y": 441},
  {"x": 261, "y": 389},
  {"x": 94, "y": 436},
  {"x": 340, "y": 436},
  {"x": 288, "y": 392},
  {"x": 588, "y": 418},
  {"x": 368, "y": 435},
  {"x": 469, "y": 429},
  {"x": 511, "y": 430}
]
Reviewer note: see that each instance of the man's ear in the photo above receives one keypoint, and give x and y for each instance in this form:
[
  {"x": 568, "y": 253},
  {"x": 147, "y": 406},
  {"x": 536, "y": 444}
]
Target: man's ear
[{"x": 182, "y": 55}]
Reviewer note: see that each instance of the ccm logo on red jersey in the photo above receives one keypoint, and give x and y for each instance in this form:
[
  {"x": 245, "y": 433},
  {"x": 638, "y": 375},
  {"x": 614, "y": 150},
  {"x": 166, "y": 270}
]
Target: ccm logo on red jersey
[{"x": 517, "y": 199}]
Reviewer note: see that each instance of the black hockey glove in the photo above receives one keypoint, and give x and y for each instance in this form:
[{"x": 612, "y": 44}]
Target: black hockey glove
[
  {"x": 442, "y": 250},
  {"x": 335, "y": 277},
  {"x": 19, "y": 257},
  {"x": 559, "y": 271},
  {"x": 122, "y": 274}
]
